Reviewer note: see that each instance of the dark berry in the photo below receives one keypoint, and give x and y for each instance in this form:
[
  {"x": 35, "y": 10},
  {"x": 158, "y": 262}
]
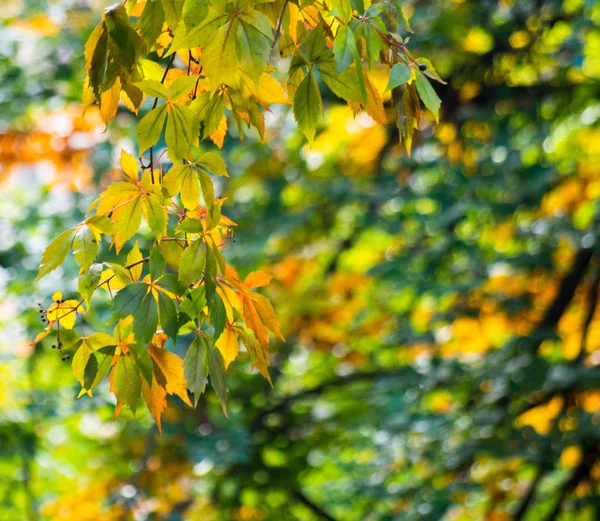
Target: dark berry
[
  {"x": 58, "y": 301},
  {"x": 41, "y": 310},
  {"x": 53, "y": 346},
  {"x": 422, "y": 67},
  {"x": 64, "y": 358},
  {"x": 67, "y": 357},
  {"x": 60, "y": 344}
]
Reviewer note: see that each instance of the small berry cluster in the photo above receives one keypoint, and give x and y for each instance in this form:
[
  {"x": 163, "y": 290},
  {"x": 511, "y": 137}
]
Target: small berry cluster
[{"x": 44, "y": 317}]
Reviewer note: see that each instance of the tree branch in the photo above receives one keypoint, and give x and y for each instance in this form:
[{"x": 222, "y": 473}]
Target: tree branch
[
  {"x": 314, "y": 507},
  {"x": 527, "y": 499}
]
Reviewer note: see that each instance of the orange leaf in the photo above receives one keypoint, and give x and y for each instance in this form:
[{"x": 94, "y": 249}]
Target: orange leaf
[
  {"x": 267, "y": 314},
  {"x": 254, "y": 323},
  {"x": 257, "y": 279},
  {"x": 156, "y": 400}
]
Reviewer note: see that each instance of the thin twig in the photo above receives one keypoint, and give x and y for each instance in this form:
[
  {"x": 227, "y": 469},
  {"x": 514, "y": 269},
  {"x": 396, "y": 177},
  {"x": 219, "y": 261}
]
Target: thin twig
[{"x": 279, "y": 24}]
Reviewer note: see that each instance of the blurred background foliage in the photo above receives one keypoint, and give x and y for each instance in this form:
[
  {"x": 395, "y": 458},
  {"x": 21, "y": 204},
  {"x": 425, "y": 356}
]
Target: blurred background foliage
[{"x": 443, "y": 342}]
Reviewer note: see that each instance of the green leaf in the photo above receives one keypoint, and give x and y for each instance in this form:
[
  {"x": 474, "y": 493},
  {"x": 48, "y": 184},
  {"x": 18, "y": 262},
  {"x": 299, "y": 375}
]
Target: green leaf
[
  {"x": 213, "y": 163},
  {"x": 127, "y": 382},
  {"x": 308, "y": 107},
  {"x": 153, "y": 87},
  {"x": 194, "y": 12},
  {"x": 128, "y": 300},
  {"x": 213, "y": 216},
  {"x": 428, "y": 95},
  {"x": 399, "y": 75},
  {"x": 121, "y": 274},
  {"x": 170, "y": 283},
  {"x": 102, "y": 224},
  {"x": 85, "y": 246},
  {"x": 190, "y": 225},
  {"x": 182, "y": 178},
  {"x": 216, "y": 369},
  {"x": 430, "y": 70},
  {"x": 194, "y": 303},
  {"x": 192, "y": 262},
  {"x": 142, "y": 360},
  {"x": 345, "y": 85},
  {"x": 218, "y": 316},
  {"x": 90, "y": 372},
  {"x": 150, "y": 127},
  {"x": 195, "y": 367},
  {"x": 173, "y": 10},
  {"x": 253, "y": 43},
  {"x": 182, "y": 86},
  {"x": 168, "y": 316},
  {"x": 104, "y": 356},
  {"x": 208, "y": 189},
  {"x": 155, "y": 215},
  {"x": 209, "y": 110},
  {"x": 210, "y": 276},
  {"x": 181, "y": 131},
  {"x": 145, "y": 319},
  {"x": 99, "y": 61},
  {"x": 151, "y": 22},
  {"x": 88, "y": 281},
  {"x": 344, "y": 48},
  {"x": 55, "y": 253},
  {"x": 219, "y": 56},
  {"x": 157, "y": 263},
  {"x": 316, "y": 45}
]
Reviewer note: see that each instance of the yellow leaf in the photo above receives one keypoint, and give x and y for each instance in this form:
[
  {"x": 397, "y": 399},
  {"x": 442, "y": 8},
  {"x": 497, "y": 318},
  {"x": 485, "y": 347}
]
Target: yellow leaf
[
  {"x": 218, "y": 136},
  {"x": 135, "y": 255},
  {"x": 64, "y": 313},
  {"x": 168, "y": 368},
  {"x": 109, "y": 102},
  {"x": 40, "y": 336},
  {"x": 129, "y": 165},
  {"x": 228, "y": 344},
  {"x": 127, "y": 219}
]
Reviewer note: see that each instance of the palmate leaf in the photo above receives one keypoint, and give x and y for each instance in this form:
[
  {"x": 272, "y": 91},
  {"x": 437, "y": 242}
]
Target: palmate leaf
[{"x": 225, "y": 51}]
